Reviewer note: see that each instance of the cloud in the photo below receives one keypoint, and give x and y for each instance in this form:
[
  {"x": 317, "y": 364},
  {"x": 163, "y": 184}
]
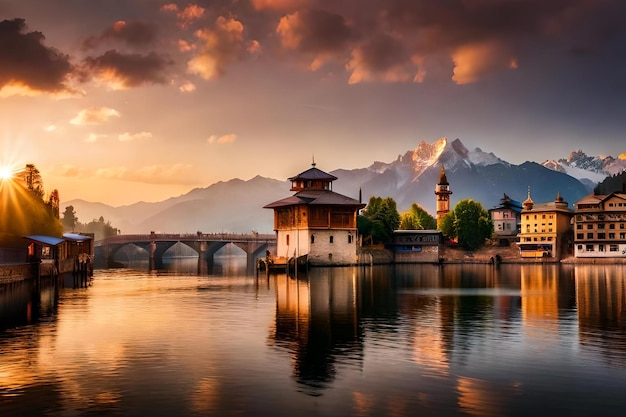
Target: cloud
[
  {"x": 229, "y": 138},
  {"x": 474, "y": 61},
  {"x": 186, "y": 16},
  {"x": 315, "y": 33},
  {"x": 94, "y": 116},
  {"x": 127, "y": 137},
  {"x": 94, "y": 137},
  {"x": 221, "y": 45},
  {"x": 121, "y": 71},
  {"x": 27, "y": 66},
  {"x": 384, "y": 58},
  {"x": 71, "y": 171},
  {"x": 187, "y": 87},
  {"x": 280, "y": 5},
  {"x": 134, "y": 34}
]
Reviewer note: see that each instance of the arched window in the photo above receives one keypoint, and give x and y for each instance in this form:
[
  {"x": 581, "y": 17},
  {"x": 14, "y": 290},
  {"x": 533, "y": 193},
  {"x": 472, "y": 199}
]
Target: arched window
[
  {"x": 312, "y": 239},
  {"x": 349, "y": 238},
  {"x": 331, "y": 239}
]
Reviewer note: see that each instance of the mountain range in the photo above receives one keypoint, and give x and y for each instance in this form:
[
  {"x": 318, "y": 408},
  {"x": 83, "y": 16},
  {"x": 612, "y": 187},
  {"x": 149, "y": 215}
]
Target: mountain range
[{"x": 236, "y": 205}]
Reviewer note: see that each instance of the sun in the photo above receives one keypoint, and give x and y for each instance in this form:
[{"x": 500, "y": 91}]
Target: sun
[{"x": 6, "y": 173}]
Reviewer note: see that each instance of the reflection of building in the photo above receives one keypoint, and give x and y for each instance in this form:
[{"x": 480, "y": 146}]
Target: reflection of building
[
  {"x": 601, "y": 306},
  {"x": 317, "y": 321},
  {"x": 442, "y": 191},
  {"x": 600, "y": 226},
  {"x": 416, "y": 245},
  {"x": 316, "y": 221},
  {"x": 506, "y": 220},
  {"x": 545, "y": 228}
]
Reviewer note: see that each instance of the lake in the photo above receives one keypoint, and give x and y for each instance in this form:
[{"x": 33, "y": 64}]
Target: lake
[{"x": 404, "y": 340}]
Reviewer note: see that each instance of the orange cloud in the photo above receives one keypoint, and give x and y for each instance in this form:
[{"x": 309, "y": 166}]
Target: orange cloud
[
  {"x": 229, "y": 138},
  {"x": 127, "y": 137},
  {"x": 474, "y": 61},
  {"x": 222, "y": 45},
  {"x": 187, "y": 87},
  {"x": 94, "y": 116},
  {"x": 280, "y": 5}
]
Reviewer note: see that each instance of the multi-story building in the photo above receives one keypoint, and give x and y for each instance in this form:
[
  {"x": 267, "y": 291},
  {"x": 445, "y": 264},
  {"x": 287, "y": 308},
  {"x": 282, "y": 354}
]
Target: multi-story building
[
  {"x": 600, "y": 226},
  {"x": 316, "y": 221},
  {"x": 546, "y": 229},
  {"x": 506, "y": 220}
]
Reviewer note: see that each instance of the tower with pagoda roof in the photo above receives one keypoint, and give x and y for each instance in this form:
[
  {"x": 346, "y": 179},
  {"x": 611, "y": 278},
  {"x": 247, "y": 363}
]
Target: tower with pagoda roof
[{"x": 316, "y": 221}]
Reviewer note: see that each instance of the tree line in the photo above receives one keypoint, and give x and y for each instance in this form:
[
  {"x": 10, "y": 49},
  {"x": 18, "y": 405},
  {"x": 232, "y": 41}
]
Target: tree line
[
  {"x": 100, "y": 228},
  {"x": 468, "y": 222}
]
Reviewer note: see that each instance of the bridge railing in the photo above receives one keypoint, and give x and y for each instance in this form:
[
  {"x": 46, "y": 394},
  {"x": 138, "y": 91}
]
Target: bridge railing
[{"x": 198, "y": 237}]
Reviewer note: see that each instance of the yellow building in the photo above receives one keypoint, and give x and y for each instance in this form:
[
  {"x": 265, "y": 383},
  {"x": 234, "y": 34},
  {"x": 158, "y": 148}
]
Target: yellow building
[
  {"x": 546, "y": 229},
  {"x": 600, "y": 226}
]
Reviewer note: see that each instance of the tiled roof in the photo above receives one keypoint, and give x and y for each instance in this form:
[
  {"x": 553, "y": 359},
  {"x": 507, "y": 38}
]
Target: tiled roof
[
  {"x": 313, "y": 174},
  {"x": 316, "y": 197}
]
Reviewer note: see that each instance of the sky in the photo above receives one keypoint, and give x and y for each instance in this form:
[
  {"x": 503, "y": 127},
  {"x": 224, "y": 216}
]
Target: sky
[{"x": 119, "y": 101}]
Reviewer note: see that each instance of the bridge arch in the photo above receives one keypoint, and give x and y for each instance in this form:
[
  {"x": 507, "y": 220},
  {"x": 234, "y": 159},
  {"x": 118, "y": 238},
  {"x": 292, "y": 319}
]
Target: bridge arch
[{"x": 206, "y": 245}]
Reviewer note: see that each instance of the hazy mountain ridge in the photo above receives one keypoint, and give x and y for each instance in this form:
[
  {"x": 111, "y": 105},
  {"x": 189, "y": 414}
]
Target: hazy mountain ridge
[{"x": 237, "y": 205}]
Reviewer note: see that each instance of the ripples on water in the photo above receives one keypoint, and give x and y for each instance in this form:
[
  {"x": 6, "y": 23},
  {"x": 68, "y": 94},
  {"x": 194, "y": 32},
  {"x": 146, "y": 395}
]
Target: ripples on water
[{"x": 377, "y": 341}]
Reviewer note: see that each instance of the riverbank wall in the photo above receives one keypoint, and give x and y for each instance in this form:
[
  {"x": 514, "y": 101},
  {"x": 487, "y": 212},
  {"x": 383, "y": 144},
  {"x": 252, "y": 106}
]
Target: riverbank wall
[
  {"x": 14, "y": 272},
  {"x": 454, "y": 254}
]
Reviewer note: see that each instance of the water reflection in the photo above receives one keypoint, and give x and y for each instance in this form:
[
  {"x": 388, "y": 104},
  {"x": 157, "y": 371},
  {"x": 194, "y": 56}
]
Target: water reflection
[{"x": 404, "y": 340}]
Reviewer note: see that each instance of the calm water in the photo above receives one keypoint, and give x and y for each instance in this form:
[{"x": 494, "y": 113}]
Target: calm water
[{"x": 376, "y": 341}]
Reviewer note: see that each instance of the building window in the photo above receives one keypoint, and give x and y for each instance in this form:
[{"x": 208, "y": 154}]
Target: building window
[
  {"x": 349, "y": 238},
  {"x": 580, "y": 236},
  {"x": 601, "y": 248},
  {"x": 579, "y": 226},
  {"x": 331, "y": 239},
  {"x": 580, "y": 247},
  {"x": 621, "y": 225},
  {"x": 589, "y": 235},
  {"x": 613, "y": 248},
  {"x": 611, "y": 235},
  {"x": 543, "y": 217},
  {"x": 287, "y": 239},
  {"x": 589, "y": 248},
  {"x": 590, "y": 226},
  {"x": 622, "y": 235},
  {"x": 600, "y": 225},
  {"x": 601, "y": 235},
  {"x": 312, "y": 239},
  {"x": 612, "y": 226}
]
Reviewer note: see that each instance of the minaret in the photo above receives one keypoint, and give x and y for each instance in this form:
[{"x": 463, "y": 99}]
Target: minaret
[{"x": 442, "y": 191}]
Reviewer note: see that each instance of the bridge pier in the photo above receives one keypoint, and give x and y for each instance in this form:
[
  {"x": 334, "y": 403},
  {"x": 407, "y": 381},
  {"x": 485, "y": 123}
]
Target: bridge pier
[{"x": 206, "y": 245}]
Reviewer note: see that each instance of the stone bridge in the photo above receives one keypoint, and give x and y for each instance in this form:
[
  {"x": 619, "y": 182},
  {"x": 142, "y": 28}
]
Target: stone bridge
[{"x": 206, "y": 245}]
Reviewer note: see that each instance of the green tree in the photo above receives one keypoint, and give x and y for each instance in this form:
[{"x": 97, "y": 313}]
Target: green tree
[
  {"x": 416, "y": 218},
  {"x": 69, "y": 219},
  {"x": 379, "y": 219},
  {"x": 469, "y": 222}
]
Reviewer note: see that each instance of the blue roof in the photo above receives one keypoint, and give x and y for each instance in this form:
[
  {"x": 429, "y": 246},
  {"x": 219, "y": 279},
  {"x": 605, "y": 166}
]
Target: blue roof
[
  {"x": 76, "y": 237},
  {"x": 46, "y": 240}
]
